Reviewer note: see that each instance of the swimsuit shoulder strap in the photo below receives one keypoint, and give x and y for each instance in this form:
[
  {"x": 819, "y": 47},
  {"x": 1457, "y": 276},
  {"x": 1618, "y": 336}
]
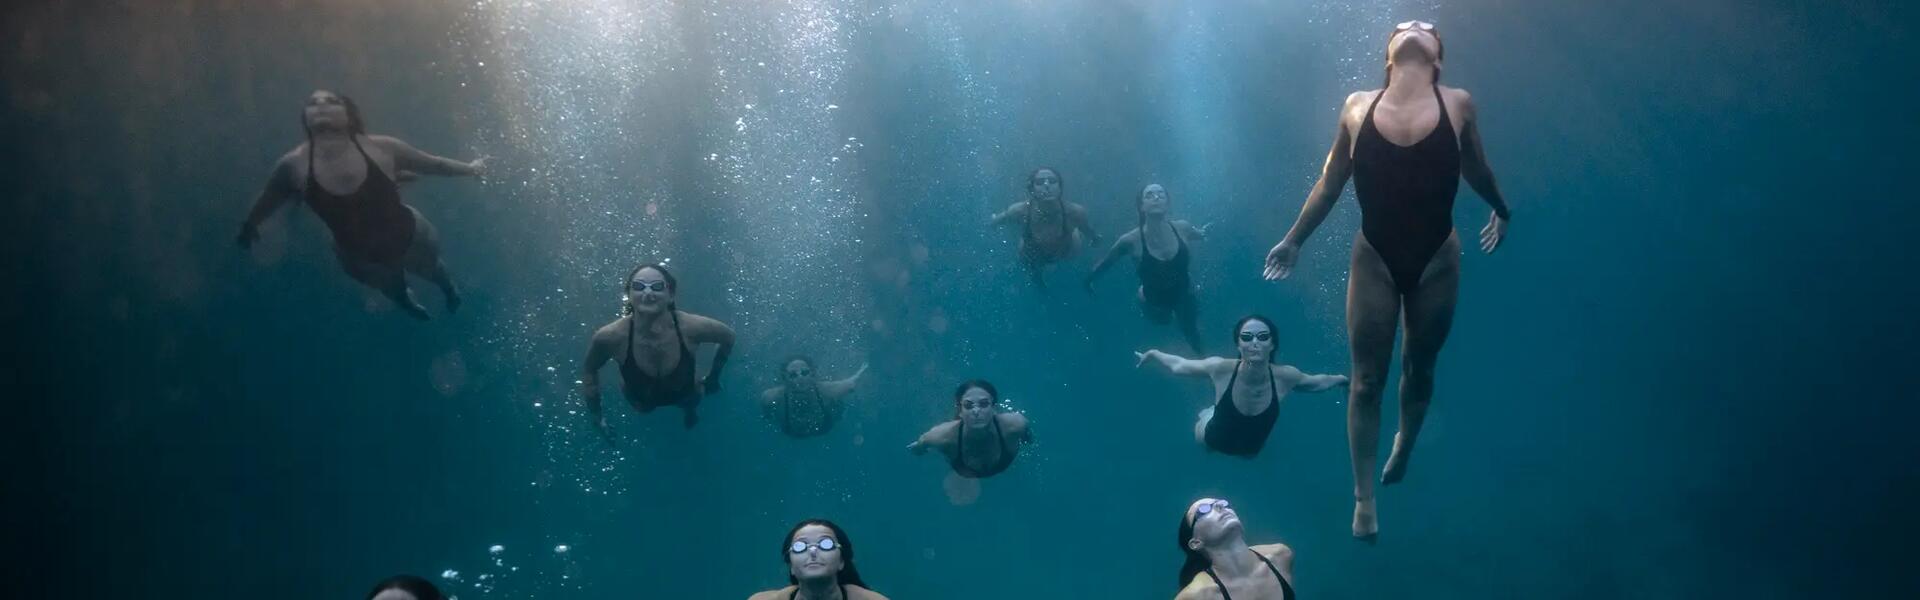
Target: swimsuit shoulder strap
[
  {"x": 1219, "y": 584},
  {"x": 1285, "y": 587}
]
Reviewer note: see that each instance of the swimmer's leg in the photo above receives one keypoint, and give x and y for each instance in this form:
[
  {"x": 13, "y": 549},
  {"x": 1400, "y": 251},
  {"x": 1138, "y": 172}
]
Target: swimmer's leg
[
  {"x": 1373, "y": 311},
  {"x": 690, "y": 411},
  {"x": 1429, "y": 317},
  {"x": 1186, "y": 314},
  {"x": 388, "y": 279},
  {"x": 423, "y": 259},
  {"x": 1200, "y": 425}
]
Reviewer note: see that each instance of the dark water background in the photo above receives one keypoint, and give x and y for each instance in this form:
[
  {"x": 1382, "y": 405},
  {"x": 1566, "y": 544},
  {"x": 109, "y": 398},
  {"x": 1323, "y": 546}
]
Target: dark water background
[{"x": 1688, "y": 374}]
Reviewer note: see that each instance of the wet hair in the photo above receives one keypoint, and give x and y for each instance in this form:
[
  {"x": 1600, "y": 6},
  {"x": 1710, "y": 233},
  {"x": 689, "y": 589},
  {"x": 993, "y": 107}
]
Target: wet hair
[
  {"x": 1243, "y": 323},
  {"x": 970, "y": 384},
  {"x": 1141, "y": 199},
  {"x": 1436, "y": 61},
  {"x": 673, "y": 285},
  {"x": 1196, "y": 560},
  {"x": 789, "y": 360},
  {"x": 1062, "y": 182},
  {"x": 420, "y": 588},
  {"x": 848, "y": 574},
  {"x": 356, "y": 124}
]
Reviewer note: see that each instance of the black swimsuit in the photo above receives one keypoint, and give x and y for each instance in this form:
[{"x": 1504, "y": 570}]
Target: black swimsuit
[
  {"x": 843, "y": 593},
  {"x": 959, "y": 462},
  {"x": 647, "y": 392},
  {"x": 1031, "y": 248},
  {"x": 1406, "y": 194},
  {"x": 1286, "y": 589},
  {"x": 369, "y": 224},
  {"x": 1230, "y": 432},
  {"x": 1165, "y": 283},
  {"x": 786, "y": 415}
]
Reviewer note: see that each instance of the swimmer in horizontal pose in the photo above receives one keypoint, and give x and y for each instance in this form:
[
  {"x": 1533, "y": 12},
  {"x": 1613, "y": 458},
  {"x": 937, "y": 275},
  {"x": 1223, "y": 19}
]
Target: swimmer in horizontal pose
[
  {"x": 803, "y": 405},
  {"x": 352, "y": 181},
  {"x": 655, "y": 342},
  {"x": 979, "y": 442},
  {"x": 1051, "y": 228},
  {"x": 1249, "y": 389}
]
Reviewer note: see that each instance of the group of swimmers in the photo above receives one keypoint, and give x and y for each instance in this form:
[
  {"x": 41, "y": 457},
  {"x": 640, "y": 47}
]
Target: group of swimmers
[{"x": 1406, "y": 147}]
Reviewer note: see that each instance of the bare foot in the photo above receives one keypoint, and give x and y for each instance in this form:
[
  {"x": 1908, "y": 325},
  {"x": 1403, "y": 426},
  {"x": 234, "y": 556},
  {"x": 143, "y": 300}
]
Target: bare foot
[
  {"x": 414, "y": 309},
  {"x": 453, "y": 299},
  {"x": 1396, "y": 462},
  {"x": 692, "y": 418},
  {"x": 1366, "y": 524}
]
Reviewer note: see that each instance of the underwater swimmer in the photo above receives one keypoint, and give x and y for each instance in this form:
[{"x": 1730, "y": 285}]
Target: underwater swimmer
[
  {"x": 1406, "y": 146},
  {"x": 351, "y": 180},
  {"x": 1166, "y": 289},
  {"x": 655, "y": 342},
  {"x": 1249, "y": 389},
  {"x": 1214, "y": 543},
  {"x": 980, "y": 441},
  {"x": 1051, "y": 228},
  {"x": 819, "y": 559},
  {"x": 803, "y": 405}
]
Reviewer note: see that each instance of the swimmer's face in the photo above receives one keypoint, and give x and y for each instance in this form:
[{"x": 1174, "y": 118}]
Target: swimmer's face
[
  {"x": 649, "y": 291},
  {"x": 395, "y": 595},
  {"x": 326, "y": 110},
  {"x": 812, "y": 562},
  {"x": 1153, "y": 200},
  {"x": 976, "y": 408},
  {"x": 1220, "y": 522},
  {"x": 1045, "y": 185},
  {"x": 1255, "y": 340},
  {"x": 799, "y": 373},
  {"x": 1414, "y": 36}
]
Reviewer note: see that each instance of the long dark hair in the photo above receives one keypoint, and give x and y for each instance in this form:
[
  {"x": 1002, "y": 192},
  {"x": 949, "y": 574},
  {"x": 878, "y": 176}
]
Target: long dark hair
[
  {"x": 420, "y": 588},
  {"x": 1235, "y": 339},
  {"x": 1196, "y": 561},
  {"x": 673, "y": 285},
  {"x": 970, "y": 384},
  {"x": 848, "y": 574},
  {"x": 1436, "y": 61}
]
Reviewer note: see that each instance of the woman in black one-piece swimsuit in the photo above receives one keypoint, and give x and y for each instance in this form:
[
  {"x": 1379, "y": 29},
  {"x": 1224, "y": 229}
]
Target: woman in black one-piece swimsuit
[
  {"x": 1406, "y": 147},
  {"x": 378, "y": 238}
]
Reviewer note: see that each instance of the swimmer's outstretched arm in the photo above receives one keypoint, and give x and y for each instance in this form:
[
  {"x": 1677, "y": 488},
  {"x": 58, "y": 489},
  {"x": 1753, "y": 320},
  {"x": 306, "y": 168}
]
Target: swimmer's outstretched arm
[
  {"x": 839, "y": 389},
  {"x": 408, "y": 158},
  {"x": 279, "y": 189},
  {"x": 1479, "y": 176},
  {"x": 703, "y": 330},
  {"x": 598, "y": 353},
  {"x": 1333, "y": 180},
  {"x": 1194, "y": 234},
  {"x": 1298, "y": 380},
  {"x": 1176, "y": 364},
  {"x": 1123, "y": 245},
  {"x": 941, "y": 436},
  {"x": 1018, "y": 209}
]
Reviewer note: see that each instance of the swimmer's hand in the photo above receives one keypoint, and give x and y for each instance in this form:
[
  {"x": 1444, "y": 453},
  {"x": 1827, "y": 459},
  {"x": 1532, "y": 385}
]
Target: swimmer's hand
[
  {"x": 478, "y": 167},
  {"x": 1280, "y": 260},
  {"x": 248, "y": 234},
  {"x": 606, "y": 431},
  {"x": 1493, "y": 234},
  {"x": 1140, "y": 358},
  {"x": 711, "y": 384},
  {"x": 1087, "y": 284},
  {"x": 917, "y": 448}
]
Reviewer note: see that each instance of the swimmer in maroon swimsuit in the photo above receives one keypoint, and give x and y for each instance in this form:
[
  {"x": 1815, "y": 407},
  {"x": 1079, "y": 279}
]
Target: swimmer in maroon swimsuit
[
  {"x": 1406, "y": 146},
  {"x": 352, "y": 181}
]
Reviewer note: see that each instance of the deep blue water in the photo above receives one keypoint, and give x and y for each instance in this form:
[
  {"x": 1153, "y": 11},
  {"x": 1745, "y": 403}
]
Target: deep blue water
[{"x": 1688, "y": 374}]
